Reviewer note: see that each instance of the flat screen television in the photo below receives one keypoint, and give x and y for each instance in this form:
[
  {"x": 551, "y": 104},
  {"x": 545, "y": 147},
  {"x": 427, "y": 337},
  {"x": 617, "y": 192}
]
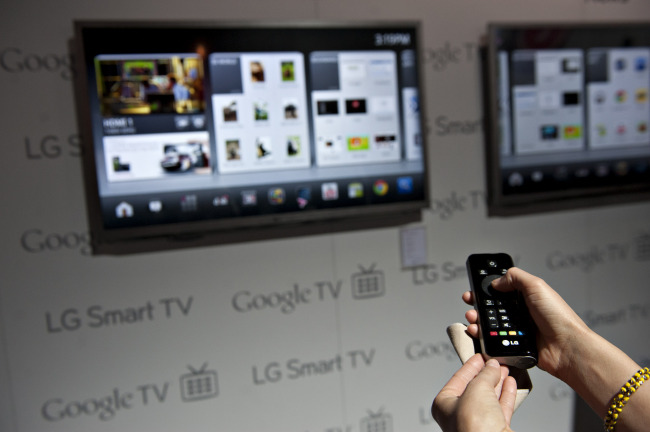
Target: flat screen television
[
  {"x": 200, "y": 133},
  {"x": 567, "y": 115}
]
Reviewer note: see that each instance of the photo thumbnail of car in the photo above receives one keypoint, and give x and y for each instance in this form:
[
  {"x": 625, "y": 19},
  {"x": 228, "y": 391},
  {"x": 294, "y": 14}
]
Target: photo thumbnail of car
[{"x": 185, "y": 157}]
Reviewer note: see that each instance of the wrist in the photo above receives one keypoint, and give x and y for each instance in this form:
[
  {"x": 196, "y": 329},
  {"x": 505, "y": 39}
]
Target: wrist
[
  {"x": 576, "y": 350},
  {"x": 596, "y": 369}
]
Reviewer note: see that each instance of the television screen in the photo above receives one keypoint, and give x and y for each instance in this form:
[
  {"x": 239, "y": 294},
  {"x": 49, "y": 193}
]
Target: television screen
[
  {"x": 207, "y": 133},
  {"x": 567, "y": 115}
]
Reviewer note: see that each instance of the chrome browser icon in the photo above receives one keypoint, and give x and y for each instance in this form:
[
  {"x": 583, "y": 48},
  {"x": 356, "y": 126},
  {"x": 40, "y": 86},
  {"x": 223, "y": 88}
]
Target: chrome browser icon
[{"x": 380, "y": 187}]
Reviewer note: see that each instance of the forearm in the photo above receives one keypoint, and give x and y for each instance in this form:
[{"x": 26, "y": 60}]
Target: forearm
[{"x": 597, "y": 370}]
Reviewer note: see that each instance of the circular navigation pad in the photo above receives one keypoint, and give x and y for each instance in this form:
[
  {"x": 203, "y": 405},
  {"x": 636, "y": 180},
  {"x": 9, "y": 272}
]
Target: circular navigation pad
[{"x": 486, "y": 284}]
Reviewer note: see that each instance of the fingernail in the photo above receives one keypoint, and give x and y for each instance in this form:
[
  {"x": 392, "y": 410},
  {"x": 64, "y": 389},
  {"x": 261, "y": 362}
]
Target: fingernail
[{"x": 492, "y": 363}]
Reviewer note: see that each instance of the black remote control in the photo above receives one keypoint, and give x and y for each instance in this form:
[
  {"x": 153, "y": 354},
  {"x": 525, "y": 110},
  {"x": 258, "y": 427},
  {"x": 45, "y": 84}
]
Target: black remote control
[{"x": 506, "y": 330}]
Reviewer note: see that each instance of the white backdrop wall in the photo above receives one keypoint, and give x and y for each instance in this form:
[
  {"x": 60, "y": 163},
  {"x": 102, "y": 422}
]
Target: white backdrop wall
[{"x": 382, "y": 360}]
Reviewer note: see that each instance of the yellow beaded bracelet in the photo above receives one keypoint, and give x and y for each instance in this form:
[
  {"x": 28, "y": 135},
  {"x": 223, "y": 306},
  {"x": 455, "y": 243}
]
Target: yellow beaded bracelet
[{"x": 618, "y": 402}]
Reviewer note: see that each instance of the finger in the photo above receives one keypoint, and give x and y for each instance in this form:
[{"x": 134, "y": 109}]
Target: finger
[
  {"x": 471, "y": 316},
  {"x": 458, "y": 382},
  {"x": 468, "y": 297},
  {"x": 514, "y": 277},
  {"x": 478, "y": 408},
  {"x": 472, "y": 330},
  {"x": 490, "y": 375},
  {"x": 445, "y": 401},
  {"x": 504, "y": 374},
  {"x": 508, "y": 398}
]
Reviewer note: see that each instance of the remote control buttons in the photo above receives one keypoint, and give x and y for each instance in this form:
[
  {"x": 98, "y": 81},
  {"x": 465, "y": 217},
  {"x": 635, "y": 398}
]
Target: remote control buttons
[{"x": 486, "y": 284}]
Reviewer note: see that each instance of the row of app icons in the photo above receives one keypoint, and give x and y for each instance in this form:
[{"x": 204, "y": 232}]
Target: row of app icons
[
  {"x": 567, "y": 132},
  {"x": 278, "y": 196},
  {"x": 552, "y": 132},
  {"x": 622, "y": 128},
  {"x": 563, "y": 173},
  {"x": 621, "y": 96},
  {"x": 639, "y": 64},
  {"x": 553, "y": 99}
]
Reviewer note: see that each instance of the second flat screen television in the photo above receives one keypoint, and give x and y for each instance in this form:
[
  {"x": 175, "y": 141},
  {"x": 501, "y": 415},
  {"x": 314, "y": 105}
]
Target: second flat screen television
[{"x": 568, "y": 115}]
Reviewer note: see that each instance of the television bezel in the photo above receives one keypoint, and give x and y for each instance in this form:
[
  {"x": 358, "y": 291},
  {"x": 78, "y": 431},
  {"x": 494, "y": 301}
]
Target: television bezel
[{"x": 213, "y": 232}]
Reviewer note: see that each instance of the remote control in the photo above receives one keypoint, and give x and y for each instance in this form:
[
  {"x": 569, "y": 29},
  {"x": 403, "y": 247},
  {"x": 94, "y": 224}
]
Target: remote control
[{"x": 506, "y": 330}]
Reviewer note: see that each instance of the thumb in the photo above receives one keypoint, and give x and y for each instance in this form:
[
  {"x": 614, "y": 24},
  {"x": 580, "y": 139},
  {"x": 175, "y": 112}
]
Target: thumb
[
  {"x": 489, "y": 376},
  {"x": 509, "y": 281}
]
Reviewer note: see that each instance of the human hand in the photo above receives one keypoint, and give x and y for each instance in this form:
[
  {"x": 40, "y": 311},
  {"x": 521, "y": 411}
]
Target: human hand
[
  {"x": 480, "y": 396},
  {"x": 570, "y": 351},
  {"x": 559, "y": 328}
]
